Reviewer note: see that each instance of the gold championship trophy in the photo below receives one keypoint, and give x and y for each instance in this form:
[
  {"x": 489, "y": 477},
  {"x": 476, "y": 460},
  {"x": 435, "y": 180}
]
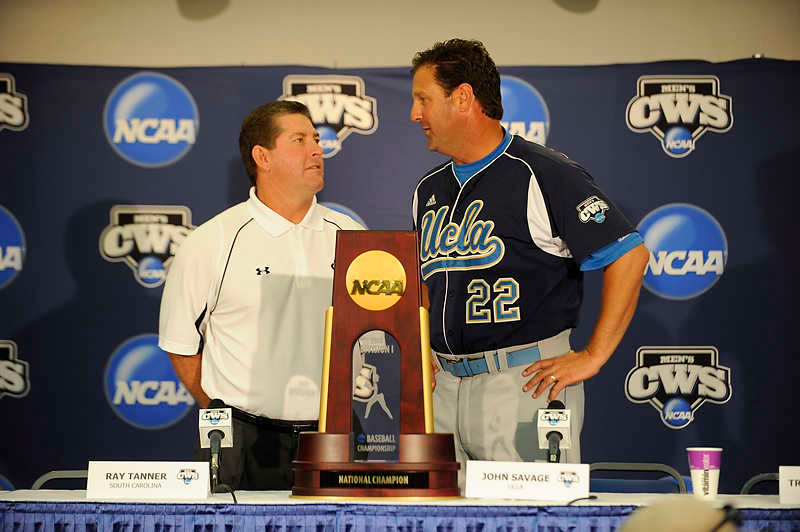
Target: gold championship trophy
[{"x": 375, "y": 434}]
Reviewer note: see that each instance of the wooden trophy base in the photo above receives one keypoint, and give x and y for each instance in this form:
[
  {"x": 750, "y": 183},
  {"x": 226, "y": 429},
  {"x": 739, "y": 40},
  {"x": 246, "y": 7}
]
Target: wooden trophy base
[{"x": 426, "y": 468}]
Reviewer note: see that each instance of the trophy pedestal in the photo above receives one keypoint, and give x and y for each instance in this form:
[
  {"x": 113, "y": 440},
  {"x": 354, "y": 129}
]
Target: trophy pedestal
[{"x": 426, "y": 468}]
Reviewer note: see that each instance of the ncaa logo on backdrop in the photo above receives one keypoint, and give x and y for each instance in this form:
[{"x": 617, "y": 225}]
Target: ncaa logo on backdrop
[
  {"x": 677, "y": 380},
  {"x": 146, "y": 238},
  {"x": 151, "y": 120},
  {"x": 141, "y": 386},
  {"x": 678, "y": 110},
  {"x": 12, "y": 247},
  {"x": 14, "y": 378},
  {"x": 688, "y": 250},
  {"x": 13, "y": 105},
  {"x": 6, "y": 484},
  {"x": 338, "y": 106},
  {"x": 525, "y": 112}
]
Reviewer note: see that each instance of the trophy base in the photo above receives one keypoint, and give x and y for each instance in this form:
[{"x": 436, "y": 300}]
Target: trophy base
[{"x": 426, "y": 468}]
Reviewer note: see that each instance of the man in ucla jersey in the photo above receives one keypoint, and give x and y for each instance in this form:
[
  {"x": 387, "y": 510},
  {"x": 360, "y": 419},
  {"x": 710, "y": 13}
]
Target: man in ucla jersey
[
  {"x": 243, "y": 309},
  {"x": 506, "y": 229}
]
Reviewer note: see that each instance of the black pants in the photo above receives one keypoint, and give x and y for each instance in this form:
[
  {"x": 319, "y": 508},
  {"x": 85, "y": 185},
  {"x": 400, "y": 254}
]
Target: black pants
[{"x": 260, "y": 459}]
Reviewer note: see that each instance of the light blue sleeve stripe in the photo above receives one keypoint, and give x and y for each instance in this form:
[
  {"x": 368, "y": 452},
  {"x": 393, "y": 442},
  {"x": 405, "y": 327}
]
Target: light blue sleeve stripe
[{"x": 608, "y": 254}]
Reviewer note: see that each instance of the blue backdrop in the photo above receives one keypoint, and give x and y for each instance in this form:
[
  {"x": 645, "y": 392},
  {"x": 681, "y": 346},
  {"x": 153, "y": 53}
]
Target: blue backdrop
[{"x": 105, "y": 170}]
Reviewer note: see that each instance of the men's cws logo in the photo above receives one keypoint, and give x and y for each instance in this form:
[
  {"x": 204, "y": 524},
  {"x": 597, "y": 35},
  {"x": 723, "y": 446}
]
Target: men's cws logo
[
  {"x": 678, "y": 110},
  {"x": 12, "y": 247},
  {"x": 688, "y": 250},
  {"x": 141, "y": 386},
  {"x": 188, "y": 475},
  {"x": 146, "y": 238},
  {"x": 677, "y": 380},
  {"x": 151, "y": 120},
  {"x": 471, "y": 241},
  {"x": 15, "y": 380},
  {"x": 338, "y": 105},
  {"x": 13, "y": 105},
  {"x": 525, "y": 112}
]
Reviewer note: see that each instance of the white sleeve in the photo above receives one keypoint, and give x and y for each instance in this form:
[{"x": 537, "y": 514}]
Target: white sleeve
[
  {"x": 185, "y": 300},
  {"x": 414, "y": 209}
]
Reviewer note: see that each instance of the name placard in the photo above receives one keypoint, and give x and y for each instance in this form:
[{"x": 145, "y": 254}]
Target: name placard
[
  {"x": 527, "y": 480},
  {"x": 147, "y": 480},
  {"x": 789, "y": 484}
]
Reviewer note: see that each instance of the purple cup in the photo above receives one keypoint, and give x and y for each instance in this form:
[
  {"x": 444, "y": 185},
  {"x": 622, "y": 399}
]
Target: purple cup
[{"x": 704, "y": 457}]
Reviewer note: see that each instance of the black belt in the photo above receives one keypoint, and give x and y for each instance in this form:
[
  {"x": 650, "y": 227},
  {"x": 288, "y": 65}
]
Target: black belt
[{"x": 278, "y": 425}]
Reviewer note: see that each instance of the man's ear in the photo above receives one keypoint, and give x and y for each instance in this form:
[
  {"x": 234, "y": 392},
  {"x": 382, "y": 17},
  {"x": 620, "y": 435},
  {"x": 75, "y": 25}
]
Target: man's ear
[
  {"x": 261, "y": 156},
  {"x": 463, "y": 96}
]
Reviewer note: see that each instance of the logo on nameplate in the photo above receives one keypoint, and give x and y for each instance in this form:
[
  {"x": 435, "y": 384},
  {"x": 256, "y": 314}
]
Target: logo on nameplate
[
  {"x": 187, "y": 475},
  {"x": 376, "y": 280},
  {"x": 676, "y": 381}
]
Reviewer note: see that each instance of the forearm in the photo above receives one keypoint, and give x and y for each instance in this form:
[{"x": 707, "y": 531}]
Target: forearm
[
  {"x": 622, "y": 281},
  {"x": 188, "y": 369}
]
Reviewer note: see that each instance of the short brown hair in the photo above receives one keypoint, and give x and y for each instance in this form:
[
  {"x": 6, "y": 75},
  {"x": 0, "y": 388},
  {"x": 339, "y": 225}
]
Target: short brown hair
[
  {"x": 261, "y": 129},
  {"x": 460, "y": 61}
]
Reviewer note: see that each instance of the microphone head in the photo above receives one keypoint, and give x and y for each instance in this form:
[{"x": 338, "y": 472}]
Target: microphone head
[
  {"x": 216, "y": 420},
  {"x": 556, "y": 405},
  {"x": 218, "y": 403}
]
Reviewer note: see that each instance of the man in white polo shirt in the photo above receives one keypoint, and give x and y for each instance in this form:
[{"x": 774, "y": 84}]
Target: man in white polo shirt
[{"x": 242, "y": 314}]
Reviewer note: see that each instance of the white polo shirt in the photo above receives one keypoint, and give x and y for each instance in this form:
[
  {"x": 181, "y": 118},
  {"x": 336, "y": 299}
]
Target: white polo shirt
[{"x": 250, "y": 289}]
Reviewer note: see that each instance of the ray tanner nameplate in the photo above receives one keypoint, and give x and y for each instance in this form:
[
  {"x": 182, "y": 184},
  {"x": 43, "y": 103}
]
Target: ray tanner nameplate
[{"x": 375, "y": 434}]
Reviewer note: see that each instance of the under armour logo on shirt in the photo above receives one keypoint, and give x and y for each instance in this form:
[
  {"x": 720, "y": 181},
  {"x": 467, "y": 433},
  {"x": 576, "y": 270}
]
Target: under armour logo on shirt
[
  {"x": 262, "y": 271},
  {"x": 431, "y": 200}
]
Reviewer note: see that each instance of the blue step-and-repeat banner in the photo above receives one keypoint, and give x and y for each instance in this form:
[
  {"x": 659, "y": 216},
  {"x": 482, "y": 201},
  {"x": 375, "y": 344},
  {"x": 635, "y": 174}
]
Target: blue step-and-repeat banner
[{"x": 106, "y": 170}]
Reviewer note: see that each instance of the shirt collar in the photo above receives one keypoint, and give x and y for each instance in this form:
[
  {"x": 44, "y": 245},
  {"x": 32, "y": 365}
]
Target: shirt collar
[
  {"x": 464, "y": 172},
  {"x": 275, "y": 224}
]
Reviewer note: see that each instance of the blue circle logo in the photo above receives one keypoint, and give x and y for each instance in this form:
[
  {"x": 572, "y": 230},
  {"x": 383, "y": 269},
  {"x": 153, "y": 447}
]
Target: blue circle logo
[
  {"x": 677, "y": 413},
  {"x": 6, "y": 484},
  {"x": 345, "y": 210},
  {"x": 141, "y": 386},
  {"x": 151, "y": 271},
  {"x": 678, "y": 142},
  {"x": 151, "y": 120},
  {"x": 12, "y": 247},
  {"x": 688, "y": 250},
  {"x": 361, "y": 438},
  {"x": 525, "y": 112},
  {"x": 329, "y": 141}
]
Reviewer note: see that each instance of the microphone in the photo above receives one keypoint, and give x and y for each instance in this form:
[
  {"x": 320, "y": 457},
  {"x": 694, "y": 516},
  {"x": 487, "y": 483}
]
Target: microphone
[
  {"x": 216, "y": 431},
  {"x": 554, "y": 430}
]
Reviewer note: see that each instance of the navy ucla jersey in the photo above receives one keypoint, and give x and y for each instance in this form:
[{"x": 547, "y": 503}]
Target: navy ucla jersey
[{"x": 501, "y": 255}]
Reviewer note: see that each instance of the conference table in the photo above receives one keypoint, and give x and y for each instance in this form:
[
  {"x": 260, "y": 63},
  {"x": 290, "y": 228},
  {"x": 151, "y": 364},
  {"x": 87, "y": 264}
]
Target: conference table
[{"x": 278, "y": 511}]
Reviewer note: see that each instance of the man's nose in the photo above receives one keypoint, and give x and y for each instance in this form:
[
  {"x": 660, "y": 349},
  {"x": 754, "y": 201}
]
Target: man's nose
[{"x": 415, "y": 115}]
